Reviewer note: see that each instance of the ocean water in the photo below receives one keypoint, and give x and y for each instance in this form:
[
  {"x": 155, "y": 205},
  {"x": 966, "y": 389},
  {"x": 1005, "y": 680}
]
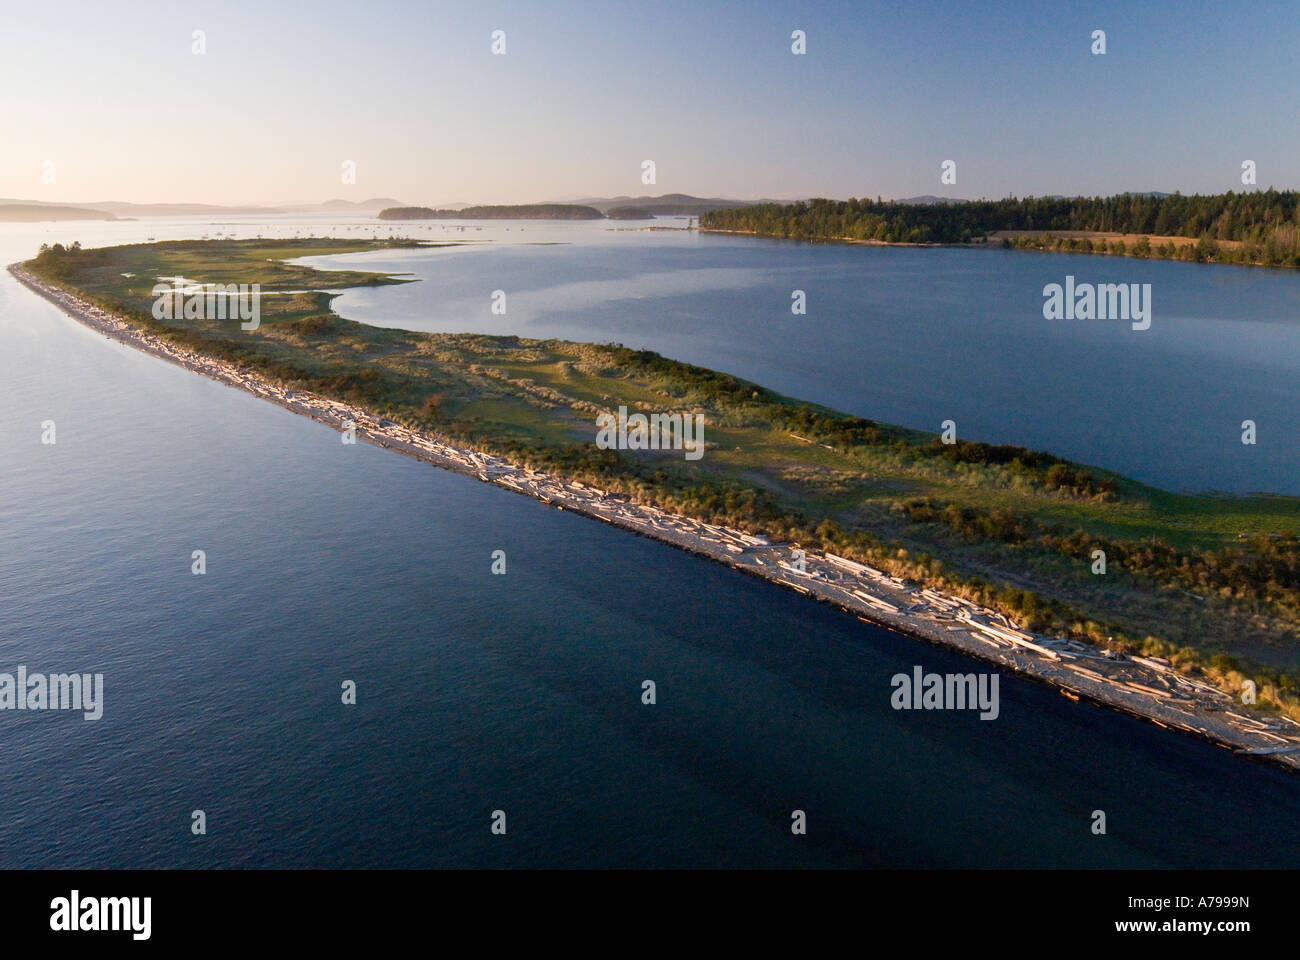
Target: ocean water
[
  {"x": 476, "y": 692},
  {"x": 910, "y": 336}
]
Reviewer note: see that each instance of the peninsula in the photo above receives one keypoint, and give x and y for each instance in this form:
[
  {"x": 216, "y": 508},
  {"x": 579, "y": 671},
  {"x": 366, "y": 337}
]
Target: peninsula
[
  {"x": 1256, "y": 228},
  {"x": 987, "y": 549}
]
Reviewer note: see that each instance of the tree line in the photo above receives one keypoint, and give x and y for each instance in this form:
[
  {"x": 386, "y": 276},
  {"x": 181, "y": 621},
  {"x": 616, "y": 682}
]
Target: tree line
[{"x": 1263, "y": 226}]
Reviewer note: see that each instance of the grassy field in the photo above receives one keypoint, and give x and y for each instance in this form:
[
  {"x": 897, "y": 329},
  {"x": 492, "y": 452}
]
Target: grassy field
[{"x": 1212, "y": 582}]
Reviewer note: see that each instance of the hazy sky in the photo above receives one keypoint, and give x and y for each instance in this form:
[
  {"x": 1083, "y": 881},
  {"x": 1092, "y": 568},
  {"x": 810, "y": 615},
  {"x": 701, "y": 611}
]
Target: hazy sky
[{"x": 112, "y": 95}]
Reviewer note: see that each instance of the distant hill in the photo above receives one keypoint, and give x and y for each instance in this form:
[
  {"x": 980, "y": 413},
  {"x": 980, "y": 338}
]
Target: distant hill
[
  {"x": 119, "y": 208},
  {"x": 931, "y": 198},
  {"x": 670, "y": 204},
  {"x": 5, "y": 201},
  {"x": 206, "y": 209},
  {"x": 523, "y": 211},
  {"x": 341, "y": 206},
  {"x": 176, "y": 209},
  {"x": 412, "y": 213},
  {"x": 1127, "y": 193},
  {"x": 630, "y": 213},
  {"x": 37, "y": 212}
]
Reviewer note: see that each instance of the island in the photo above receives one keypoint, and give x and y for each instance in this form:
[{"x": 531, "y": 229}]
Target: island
[
  {"x": 991, "y": 550},
  {"x": 629, "y": 213}
]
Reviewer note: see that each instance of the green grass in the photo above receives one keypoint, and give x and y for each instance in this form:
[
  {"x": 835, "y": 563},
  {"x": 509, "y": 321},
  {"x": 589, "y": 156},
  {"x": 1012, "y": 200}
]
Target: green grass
[{"x": 1007, "y": 527}]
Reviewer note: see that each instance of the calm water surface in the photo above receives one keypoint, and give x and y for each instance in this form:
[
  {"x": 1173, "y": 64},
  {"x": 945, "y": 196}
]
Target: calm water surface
[
  {"x": 522, "y": 693},
  {"x": 909, "y": 336}
]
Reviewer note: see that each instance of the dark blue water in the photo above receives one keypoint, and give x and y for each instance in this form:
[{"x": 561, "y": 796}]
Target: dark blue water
[
  {"x": 478, "y": 692},
  {"x": 915, "y": 337}
]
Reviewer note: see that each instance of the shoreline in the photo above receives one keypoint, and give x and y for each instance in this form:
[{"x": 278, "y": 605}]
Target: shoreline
[
  {"x": 1147, "y": 688},
  {"x": 849, "y": 240},
  {"x": 996, "y": 239}
]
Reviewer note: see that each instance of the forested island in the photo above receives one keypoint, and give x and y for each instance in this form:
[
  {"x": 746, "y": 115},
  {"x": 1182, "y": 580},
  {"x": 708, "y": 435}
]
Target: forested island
[
  {"x": 1258, "y": 228},
  {"x": 1211, "y": 583},
  {"x": 629, "y": 213},
  {"x": 523, "y": 211}
]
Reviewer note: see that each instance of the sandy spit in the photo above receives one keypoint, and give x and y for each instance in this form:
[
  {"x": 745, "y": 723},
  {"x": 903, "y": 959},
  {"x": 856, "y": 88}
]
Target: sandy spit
[{"x": 1143, "y": 687}]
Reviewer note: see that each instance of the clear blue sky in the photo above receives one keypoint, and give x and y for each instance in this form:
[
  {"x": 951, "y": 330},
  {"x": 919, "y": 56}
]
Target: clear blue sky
[{"x": 113, "y": 96}]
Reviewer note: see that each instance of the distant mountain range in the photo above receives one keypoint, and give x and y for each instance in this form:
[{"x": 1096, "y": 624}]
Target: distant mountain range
[
  {"x": 341, "y": 206},
  {"x": 670, "y": 204},
  {"x": 522, "y": 211},
  {"x": 931, "y": 198},
  {"x": 17, "y": 211},
  {"x": 1127, "y": 193},
  {"x": 35, "y": 210}
]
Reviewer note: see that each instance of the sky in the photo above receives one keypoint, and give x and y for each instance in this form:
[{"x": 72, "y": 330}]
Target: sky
[{"x": 110, "y": 101}]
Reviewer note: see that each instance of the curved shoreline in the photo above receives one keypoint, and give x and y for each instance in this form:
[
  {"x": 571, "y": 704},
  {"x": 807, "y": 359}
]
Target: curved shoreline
[
  {"x": 845, "y": 240},
  {"x": 995, "y": 240},
  {"x": 1142, "y": 687}
]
